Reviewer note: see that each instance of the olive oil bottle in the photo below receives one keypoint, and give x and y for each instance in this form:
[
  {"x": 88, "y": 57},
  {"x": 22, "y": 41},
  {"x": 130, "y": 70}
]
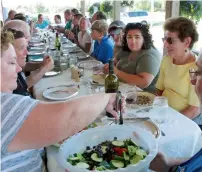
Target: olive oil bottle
[{"x": 111, "y": 82}]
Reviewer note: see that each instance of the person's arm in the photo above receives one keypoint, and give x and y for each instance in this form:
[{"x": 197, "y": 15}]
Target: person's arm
[
  {"x": 191, "y": 111},
  {"x": 142, "y": 80},
  {"x": 35, "y": 76},
  {"x": 163, "y": 164},
  {"x": 88, "y": 47},
  {"x": 60, "y": 30},
  {"x": 49, "y": 123},
  {"x": 32, "y": 66}
]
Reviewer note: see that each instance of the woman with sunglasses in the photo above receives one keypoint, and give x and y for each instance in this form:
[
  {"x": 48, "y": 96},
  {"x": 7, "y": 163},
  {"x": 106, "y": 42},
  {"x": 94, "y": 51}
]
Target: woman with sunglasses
[
  {"x": 174, "y": 81},
  {"x": 138, "y": 63},
  {"x": 164, "y": 164}
]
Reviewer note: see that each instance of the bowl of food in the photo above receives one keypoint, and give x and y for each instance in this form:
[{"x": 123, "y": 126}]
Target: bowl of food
[{"x": 117, "y": 148}]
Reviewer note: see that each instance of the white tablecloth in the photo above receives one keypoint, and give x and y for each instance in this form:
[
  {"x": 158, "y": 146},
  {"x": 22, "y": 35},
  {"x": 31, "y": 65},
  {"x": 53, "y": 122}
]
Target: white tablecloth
[{"x": 182, "y": 134}]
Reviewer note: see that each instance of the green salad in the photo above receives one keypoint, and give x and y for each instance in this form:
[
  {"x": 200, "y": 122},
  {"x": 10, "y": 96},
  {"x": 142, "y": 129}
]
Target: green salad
[{"x": 108, "y": 155}]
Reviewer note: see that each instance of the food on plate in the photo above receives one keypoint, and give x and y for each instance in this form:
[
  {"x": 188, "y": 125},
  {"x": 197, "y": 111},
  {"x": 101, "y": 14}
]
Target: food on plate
[
  {"x": 143, "y": 100},
  {"x": 108, "y": 155}
]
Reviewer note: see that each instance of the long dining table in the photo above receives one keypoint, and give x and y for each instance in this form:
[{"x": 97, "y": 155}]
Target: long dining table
[{"x": 182, "y": 137}]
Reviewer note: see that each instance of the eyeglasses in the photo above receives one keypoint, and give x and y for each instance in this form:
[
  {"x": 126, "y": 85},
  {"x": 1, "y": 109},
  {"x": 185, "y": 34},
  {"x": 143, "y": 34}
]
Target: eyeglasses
[
  {"x": 193, "y": 73},
  {"x": 169, "y": 40}
]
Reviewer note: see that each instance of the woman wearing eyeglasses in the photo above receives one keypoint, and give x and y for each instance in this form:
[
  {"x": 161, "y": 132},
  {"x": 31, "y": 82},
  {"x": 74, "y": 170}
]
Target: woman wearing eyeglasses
[
  {"x": 174, "y": 81},
  {"x": 139, "y": 61}
]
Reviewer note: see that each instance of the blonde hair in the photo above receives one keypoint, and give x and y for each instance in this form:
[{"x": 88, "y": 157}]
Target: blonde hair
[
  {"x": 6, "y": 38},
  {"x": 100, "y": 26},
  {"x": 86, "y": 19}
]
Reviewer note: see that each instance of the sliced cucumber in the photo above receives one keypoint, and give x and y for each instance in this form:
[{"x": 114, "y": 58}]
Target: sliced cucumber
[
  {"x": 103, "y": 148},
  {"x": 125, "y": 156},
  {"x": 141, "y": 153},
  {"x": 82, "y": 165},
  {"x": 95, "y": 158},
  {"x": 74, "y": 158},
  {"x": 132, "y": 150},
  {"x": 135, "y": 159},
  {"x": 117, "y": 163},
  {"x": 118, "y": 143}
]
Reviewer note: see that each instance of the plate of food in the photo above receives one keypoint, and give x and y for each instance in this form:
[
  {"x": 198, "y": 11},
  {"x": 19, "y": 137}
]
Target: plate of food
[
  {"x": 117, "y": 148},
  {"x": 140, "y": 99},
  {"x": 60, "y": 93},
  {"x": 98, "y": 79}
]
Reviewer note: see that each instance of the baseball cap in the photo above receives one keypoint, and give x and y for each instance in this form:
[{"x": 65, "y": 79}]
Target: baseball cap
[{"x": 116, "y": 27}]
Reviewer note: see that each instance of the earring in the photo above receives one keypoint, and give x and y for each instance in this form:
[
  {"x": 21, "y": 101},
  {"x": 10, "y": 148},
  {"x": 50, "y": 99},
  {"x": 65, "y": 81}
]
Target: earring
[{"x": 186, "y": 50}]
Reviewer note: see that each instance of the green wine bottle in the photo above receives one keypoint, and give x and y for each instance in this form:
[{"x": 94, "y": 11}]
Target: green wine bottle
[{"x": 111, "y": 82}]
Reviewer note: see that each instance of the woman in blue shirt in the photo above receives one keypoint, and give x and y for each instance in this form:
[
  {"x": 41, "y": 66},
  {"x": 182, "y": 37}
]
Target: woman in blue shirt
[
  {"x": 41, "y": 23},
  {"x": 104, "y": 45}
]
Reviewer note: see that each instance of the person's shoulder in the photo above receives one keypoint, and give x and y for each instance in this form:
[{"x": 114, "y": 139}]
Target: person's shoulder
[{"x": 108, "y": 42}]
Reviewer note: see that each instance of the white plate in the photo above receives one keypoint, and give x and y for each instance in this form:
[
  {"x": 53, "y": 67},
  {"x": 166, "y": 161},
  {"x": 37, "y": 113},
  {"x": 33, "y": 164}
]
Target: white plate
[
  {"x": 81, "y": 57},
  {"x": 32, "y": 52},
  {"x": 95, "y": 63},
  {"x": 37, "y": 60},
  {"x": 51, "y": 73},
  {"x": 142, "y": 93},
  {"x": 60, "y": 93},
  {"x": 37, "y": 44},
  {"x": 68, "y": 45},
  {"x": 98, "y": 79}
]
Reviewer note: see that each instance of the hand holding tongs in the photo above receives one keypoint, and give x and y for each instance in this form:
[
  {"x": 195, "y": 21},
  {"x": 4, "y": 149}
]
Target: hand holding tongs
[{"x": 118, "y": 108}]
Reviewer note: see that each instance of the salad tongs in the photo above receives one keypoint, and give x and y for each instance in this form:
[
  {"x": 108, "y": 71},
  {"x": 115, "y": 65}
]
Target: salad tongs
[{"x": 119, "y": 108}]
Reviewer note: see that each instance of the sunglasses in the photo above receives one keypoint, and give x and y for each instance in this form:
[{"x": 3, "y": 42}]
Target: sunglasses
[
  {"x": 193, "y": 73},
  {"x": 169, "y": 40}
]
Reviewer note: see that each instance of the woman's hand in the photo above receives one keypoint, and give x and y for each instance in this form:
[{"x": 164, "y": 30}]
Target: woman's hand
[{"x": 112, "y": 105}]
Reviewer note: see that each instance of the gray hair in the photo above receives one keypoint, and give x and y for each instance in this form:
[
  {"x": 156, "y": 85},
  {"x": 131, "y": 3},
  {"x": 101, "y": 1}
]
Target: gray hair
[{"x": 18, "y": 25}]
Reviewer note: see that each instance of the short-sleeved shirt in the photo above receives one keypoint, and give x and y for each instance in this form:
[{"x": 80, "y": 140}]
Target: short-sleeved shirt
[
  {"x": 68, "y": 25},
  {"x": 85, "y": 39},
  {"x": 146, "y": 61},
  {"x": 174, "y": 81},
  {"x": 15, "y": 110},
  {"x": 104, "y": 50},
  {"x": 22, "y": 87},
  {"x": 42, "y": 25}
]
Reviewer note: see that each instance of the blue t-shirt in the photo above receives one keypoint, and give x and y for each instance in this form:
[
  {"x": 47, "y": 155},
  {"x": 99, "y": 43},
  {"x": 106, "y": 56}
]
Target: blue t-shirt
[
  {"x": 104, "y": 50},
  {"x": 42, "y": 25}
]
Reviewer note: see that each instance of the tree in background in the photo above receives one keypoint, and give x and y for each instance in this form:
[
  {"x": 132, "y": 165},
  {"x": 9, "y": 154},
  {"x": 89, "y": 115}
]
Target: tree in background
[
  {"x": 191, "y": 9},
  {"x": 40, "y": 8},
  {"x": 91, "y": 10},
  {"x": 107, "y": 8},
  {"x": 127, "y": 4}
]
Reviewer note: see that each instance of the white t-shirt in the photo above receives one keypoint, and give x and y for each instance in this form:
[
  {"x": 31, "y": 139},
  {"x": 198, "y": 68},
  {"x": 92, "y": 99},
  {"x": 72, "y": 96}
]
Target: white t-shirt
[{"x": 85, "y": 39}]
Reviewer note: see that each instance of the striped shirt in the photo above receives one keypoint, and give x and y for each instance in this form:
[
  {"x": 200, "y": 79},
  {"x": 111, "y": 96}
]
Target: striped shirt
[{"x": 14, "y": 111}]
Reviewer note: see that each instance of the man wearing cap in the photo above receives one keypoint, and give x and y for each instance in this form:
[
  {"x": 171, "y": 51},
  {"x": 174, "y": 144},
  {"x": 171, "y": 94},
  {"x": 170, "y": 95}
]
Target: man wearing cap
[
  {"x": 104, "y": 45},
  {"x": 116, "y": 32}
]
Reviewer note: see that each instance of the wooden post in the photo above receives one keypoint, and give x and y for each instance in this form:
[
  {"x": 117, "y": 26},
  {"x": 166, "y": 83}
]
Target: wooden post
[
  {"x": 116, "y": 9},
  {"x": 83, "y": 7},
  {"x": 172, "y": 8}
]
